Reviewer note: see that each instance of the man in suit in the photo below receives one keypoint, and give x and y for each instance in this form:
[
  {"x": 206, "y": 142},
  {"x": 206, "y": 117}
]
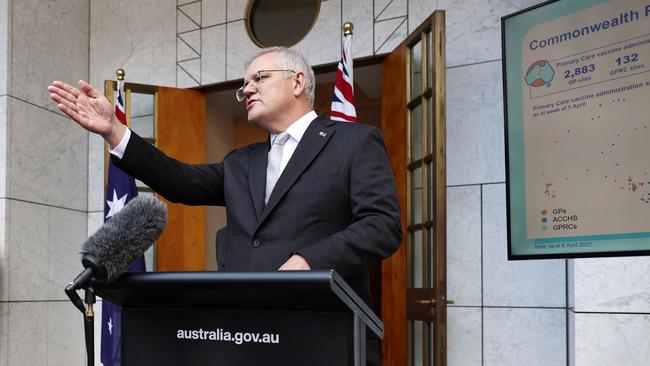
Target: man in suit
[{"x": 318, "y": 194}]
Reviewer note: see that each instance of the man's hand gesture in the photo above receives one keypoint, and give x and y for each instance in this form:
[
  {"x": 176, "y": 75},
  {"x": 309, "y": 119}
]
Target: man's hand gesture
[{"x": 89, "y": 108}]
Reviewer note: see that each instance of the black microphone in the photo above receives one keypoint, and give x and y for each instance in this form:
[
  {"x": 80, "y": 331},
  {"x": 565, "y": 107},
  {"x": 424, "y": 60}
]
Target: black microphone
[{"x": 111, "y": 250}]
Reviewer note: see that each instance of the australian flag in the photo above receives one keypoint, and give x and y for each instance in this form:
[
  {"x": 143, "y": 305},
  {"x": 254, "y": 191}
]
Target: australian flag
[
  {"x": 119, "y": 190},
  {"x": 343, "y": 98}
]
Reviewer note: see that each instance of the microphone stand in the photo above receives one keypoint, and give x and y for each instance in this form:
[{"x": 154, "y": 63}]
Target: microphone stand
[
  {"x": 89, "y": 317},
  {"x": 82, "y": 282},
  {"x": 89, "y": 325}
]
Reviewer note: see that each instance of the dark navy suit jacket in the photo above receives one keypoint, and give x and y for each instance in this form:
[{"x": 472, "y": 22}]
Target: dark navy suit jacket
[{"x": 335, "y": 203}]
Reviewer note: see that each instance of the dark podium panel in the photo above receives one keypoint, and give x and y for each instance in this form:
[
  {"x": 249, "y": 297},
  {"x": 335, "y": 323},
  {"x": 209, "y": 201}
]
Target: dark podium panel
[{"x": 240, "y": 318}]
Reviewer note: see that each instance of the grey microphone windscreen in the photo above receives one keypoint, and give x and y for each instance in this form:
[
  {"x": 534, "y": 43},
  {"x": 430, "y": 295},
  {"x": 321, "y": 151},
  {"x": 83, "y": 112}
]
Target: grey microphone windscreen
[{"x": 127, "y": 235}]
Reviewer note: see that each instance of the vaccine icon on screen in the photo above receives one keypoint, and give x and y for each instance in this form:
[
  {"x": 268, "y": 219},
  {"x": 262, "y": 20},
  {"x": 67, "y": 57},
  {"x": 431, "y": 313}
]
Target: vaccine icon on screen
[{"x": 540, "y": 73}]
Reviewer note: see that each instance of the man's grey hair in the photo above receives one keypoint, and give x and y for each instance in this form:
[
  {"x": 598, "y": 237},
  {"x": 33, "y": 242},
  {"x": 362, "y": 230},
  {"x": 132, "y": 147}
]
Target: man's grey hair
[{"x": 291, "y": 60}]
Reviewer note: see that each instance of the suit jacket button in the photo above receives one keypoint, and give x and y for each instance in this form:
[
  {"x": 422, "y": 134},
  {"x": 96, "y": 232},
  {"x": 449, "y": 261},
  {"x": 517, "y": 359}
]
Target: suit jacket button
[{"x": 256, "y": 243}]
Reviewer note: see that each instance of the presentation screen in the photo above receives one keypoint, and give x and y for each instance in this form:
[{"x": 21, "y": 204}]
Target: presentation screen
[{"x": 576, "y": 78}]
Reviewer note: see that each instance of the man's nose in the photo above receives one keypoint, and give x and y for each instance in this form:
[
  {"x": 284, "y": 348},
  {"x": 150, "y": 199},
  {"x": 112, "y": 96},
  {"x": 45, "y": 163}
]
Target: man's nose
[{"x": 249, "y": 90}]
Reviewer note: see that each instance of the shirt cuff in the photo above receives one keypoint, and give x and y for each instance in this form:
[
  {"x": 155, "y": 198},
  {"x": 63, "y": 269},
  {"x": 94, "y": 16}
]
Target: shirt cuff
[{"x": 118, "y": 151}]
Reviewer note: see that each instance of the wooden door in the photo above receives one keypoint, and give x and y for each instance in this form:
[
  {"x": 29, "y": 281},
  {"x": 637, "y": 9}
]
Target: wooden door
[
  {"x": 413, "y": 122},
  {"x": 394, "y": 269},
  {"x": 180, "y": 121}
]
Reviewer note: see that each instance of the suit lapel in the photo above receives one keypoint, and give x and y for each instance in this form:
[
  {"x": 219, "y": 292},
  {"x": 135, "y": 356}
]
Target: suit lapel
[
  {"x": 257, "y": 176},
  {"x": 312, "y": 142}
]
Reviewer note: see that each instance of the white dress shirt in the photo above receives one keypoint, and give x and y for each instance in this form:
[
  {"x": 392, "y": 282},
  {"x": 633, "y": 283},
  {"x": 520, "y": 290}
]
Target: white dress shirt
[{"x": 295, "y": 131}]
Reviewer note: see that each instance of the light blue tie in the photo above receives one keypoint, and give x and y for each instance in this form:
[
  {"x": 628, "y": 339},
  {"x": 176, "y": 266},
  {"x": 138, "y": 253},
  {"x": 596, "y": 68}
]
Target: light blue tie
[{"x": 273, "y": 165}]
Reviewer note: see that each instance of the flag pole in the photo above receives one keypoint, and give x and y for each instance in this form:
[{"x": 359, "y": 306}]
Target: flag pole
[
  {"x": 120, "y": 189},
  {"x": 90, "y": 299}
]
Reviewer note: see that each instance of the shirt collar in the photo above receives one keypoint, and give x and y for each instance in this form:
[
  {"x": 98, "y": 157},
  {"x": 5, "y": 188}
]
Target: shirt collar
[{"x": 298, "y": 128}]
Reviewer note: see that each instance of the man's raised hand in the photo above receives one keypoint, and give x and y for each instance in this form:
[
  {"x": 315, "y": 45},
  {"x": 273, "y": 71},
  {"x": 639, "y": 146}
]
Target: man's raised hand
[{"x": 89, "y": 108}]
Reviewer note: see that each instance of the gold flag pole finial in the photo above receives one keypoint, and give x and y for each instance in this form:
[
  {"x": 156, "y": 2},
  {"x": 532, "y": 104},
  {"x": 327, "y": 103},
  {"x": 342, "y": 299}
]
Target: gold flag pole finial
[
  {"x": 120, "y": 74},
  {"x": 347, "y": 28}
]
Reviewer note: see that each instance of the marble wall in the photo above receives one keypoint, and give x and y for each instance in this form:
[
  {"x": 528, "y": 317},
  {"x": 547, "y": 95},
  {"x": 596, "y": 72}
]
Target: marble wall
[
  {"x": 5, "y": 24},
  {"x": 609, "y": 311},
  {"x": 3, "y": 146},
  {"x": 4, "y": 271},
  {"x": 610, "y": 338},
  {"x": 206, "y": 28},
  {"x": 505, "y": 313},
  {"x": 4, "y": 259},
  {"x": 43, "y": 170}
]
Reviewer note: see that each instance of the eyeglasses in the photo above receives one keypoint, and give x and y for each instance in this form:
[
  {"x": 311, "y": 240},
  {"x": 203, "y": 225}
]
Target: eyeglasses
[{"x": 258, "y": 79}]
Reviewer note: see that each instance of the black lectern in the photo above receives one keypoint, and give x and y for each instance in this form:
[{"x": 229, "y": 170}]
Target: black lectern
[{"x": 241, "y": 318}]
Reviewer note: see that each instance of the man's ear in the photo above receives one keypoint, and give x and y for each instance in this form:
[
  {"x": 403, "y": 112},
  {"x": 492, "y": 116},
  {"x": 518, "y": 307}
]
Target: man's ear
[{"x": 299, "y": 84}]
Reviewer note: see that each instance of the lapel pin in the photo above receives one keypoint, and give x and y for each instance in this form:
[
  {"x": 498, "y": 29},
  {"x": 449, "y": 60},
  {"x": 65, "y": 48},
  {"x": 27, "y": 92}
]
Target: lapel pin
[{"x": 322, "y": 134}]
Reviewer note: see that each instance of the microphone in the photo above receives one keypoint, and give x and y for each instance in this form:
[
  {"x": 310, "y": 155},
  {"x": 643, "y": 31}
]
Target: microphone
[
  {"x": 126, "y": 235},
  {"x": 111, "y": 250}
]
